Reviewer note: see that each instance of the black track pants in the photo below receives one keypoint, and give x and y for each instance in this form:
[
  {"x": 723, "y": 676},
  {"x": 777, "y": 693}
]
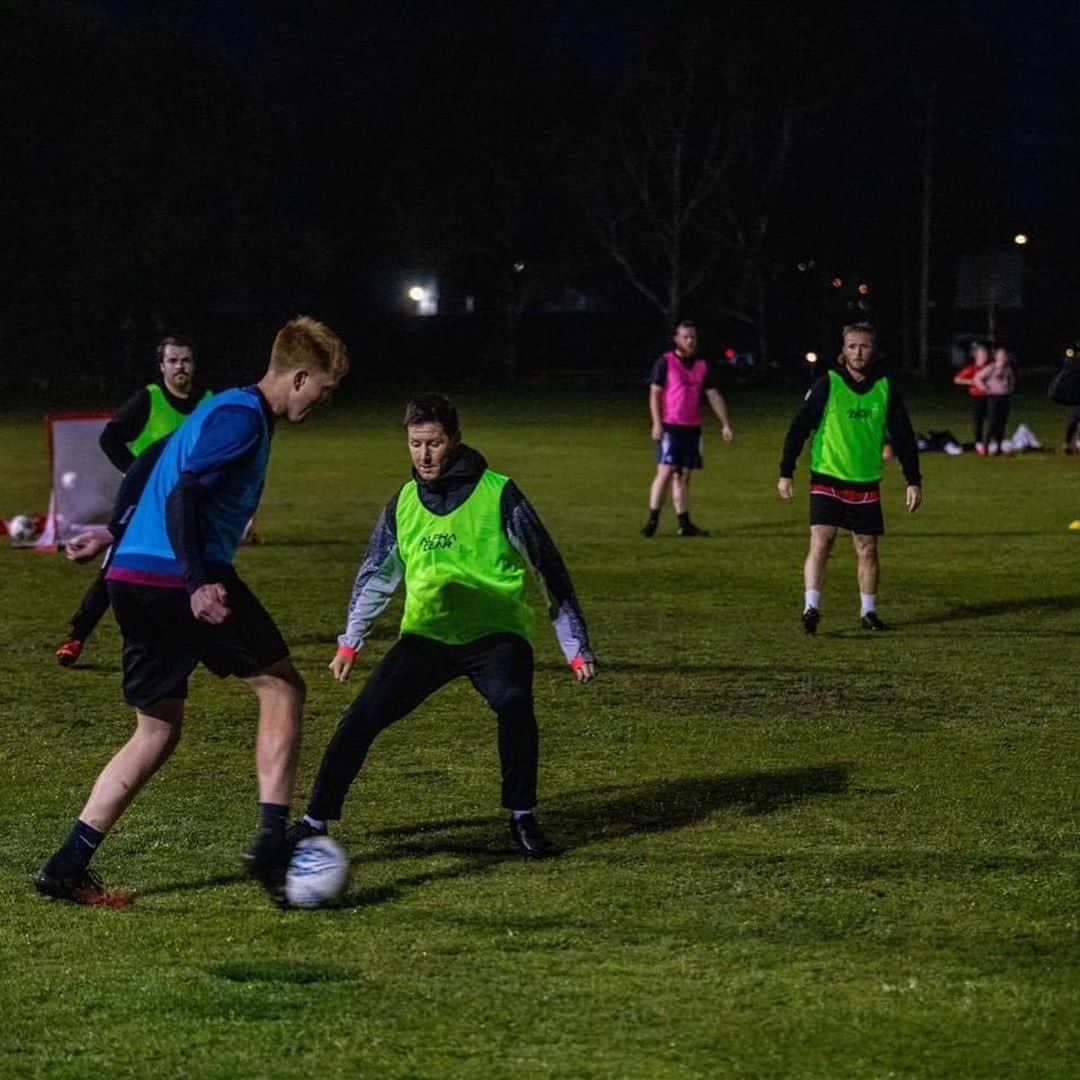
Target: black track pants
[{"x": 500, "y": 667}]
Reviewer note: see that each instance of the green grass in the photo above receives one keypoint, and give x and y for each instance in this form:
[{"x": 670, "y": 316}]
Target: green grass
[{"x": 847, "y": 855}]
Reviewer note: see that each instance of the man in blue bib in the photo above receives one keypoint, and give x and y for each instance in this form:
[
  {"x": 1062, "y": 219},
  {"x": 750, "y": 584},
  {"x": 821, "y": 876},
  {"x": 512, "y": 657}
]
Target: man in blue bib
[{"x": 179, "y": 602}]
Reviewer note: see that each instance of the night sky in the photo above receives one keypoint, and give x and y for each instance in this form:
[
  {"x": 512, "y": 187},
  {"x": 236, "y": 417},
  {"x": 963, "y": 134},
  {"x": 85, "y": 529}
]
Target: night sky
[{"x": 218, "y": 166}]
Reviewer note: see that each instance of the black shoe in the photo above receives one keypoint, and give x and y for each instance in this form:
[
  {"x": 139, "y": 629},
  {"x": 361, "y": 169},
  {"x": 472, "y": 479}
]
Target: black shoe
[
  {"x": 267, "y": 860},
  {"x": 810, "y": 618},
  {"x": 690, "y": 529},
  {"x": 870, "y": 621},
  {"x": 529, "y": 837},
  {"x": 649, "y": 528},
  {"x": 301, "y": 830},
  {"x": 77, "y": 886}
]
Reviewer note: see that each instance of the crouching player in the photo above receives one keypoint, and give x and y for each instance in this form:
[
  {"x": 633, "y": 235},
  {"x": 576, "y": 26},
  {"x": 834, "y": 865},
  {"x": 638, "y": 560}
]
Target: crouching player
[
  {"x": 460, "y": 536},
  {"x": 179, "y": 601}
]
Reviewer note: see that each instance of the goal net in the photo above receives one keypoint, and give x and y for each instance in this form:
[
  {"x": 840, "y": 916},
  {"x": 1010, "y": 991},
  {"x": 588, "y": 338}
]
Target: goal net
[{"x": 84, "y": 481}]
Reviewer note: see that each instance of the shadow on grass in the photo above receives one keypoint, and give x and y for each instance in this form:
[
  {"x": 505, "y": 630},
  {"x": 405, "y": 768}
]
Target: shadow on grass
[
  {"x": 576, "y": 819},
  {"x": 1030, "y": 605},
  {"x": 597, "y": 815}
]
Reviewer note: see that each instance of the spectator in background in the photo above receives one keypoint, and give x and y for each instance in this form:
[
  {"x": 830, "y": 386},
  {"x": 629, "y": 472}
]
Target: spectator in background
[
  {"x": 997, "y": 380},
  {"x": 980, "y": 357}
]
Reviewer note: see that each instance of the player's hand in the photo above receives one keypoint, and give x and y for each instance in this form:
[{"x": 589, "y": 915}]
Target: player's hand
[
  {"x": 584, "y": 670},
  {"x": 913, "y": 498},
  {"x": 208, "y": 603},
  {"x": 342, "y": 664},
  {"x": 657, "y": 432},
  {"x": 728, "y": 433},
  {"x": 87, "y": 544},
  {"x": 783, "y": 485}
]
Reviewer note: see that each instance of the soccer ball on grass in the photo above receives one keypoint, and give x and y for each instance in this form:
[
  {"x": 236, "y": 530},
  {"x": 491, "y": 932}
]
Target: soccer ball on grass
[
  {"x": 21, "y": 528},
  {"x": 317, "y": 873}
]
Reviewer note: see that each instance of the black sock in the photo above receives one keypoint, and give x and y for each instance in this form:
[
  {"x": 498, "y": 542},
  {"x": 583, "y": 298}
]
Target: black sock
[
  {"x": 654, "y": 516},
  {"x": 78, "y": 849},
  {"x": 273, "y": 818},
  {"x": 684, "y": 519}
]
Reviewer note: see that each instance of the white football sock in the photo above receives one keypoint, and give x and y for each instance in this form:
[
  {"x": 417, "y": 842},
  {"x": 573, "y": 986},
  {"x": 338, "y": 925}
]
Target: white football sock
[
  {"x": 813, "y": 598},
  {"x": 867, "y": 603}
]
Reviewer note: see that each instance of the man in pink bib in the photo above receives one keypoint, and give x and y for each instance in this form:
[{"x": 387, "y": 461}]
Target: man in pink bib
[{"x": 679, "y": 380}]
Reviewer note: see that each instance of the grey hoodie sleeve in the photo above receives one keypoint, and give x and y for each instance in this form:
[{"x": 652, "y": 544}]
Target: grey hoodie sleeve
[
  {"x": 526, "y": 532},
  {"x": 378, "y": 577}
]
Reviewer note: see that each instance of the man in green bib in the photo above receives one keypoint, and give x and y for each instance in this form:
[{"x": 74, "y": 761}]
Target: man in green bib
[
  {"x": 148, "y": 415},
  {"x": 850, "y": 412},
  {"x": 462, "y": 537}
]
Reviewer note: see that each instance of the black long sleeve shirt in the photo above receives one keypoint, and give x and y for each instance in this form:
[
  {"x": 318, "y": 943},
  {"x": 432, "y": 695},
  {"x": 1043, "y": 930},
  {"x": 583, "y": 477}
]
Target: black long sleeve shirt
[
  {"x": 123, "y": 429},
  {"x": 809, "y": 416}
]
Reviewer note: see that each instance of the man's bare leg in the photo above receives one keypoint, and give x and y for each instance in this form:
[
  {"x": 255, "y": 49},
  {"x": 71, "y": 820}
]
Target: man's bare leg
[
  {"x": 866, "y": 552},
  {"x": 281, "y": 693},
  {"x": 822, "y": 538},
  {"x": 657, "y": 493}
]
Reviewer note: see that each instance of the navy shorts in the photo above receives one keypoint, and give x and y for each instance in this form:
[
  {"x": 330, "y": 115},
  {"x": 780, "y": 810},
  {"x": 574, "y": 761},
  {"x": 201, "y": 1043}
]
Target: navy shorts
[
  {"x": 163, "y": 641},
  {"x": 680, "y": 446},
  {"x": 857, "y": 516}
]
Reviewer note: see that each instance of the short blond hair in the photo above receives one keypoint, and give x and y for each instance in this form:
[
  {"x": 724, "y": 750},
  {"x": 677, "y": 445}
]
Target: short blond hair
[
  {"x": 863, "y": 327},
  {"x": 303, "y": 342}
]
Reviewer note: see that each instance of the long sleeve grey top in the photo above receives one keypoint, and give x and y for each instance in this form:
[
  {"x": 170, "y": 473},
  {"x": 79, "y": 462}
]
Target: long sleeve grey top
[{"x": 382, "y": 569}]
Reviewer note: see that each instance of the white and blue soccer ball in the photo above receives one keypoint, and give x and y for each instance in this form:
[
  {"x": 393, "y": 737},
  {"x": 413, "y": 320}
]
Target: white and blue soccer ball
[
  {"x": 21, "y": 528},
  {"x": 317, "y": 873}
]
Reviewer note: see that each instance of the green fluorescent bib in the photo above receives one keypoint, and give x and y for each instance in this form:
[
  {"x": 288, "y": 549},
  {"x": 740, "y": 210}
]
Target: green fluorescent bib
[
  {"x": 163, "y": 419},
  {"x": 463, "y": 577},
  {"x": 848, "y": 442}
]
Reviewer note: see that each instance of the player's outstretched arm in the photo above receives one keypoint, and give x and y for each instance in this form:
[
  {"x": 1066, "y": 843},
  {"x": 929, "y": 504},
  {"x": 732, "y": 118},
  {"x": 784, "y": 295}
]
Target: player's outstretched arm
[
  {"x": 376, "y": 581},
  {"x": 526, "y": 532}
]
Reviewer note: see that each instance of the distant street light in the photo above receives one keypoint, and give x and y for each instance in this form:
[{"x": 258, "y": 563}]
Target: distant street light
[
  {"x": 811, "y": 357},
  {"x": 417, "y": 293},
  {"x": 1020, "y": 239}
]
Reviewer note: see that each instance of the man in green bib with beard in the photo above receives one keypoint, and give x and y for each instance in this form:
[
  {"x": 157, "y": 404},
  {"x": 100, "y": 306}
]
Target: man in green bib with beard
[
  {"x": 462, "y": 538},
  {"x": 849, "y": 411},
  {"x": 151, "y": 413}
]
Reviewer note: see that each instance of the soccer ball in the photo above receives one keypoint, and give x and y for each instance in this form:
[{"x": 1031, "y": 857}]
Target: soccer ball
[
  {"x": 21, "y": 528},
  {"x": 317, "y": 873}
]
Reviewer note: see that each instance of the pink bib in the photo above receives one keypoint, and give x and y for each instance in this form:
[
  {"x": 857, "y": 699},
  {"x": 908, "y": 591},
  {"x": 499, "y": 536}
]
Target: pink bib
[{"x": 682, "y": 391}]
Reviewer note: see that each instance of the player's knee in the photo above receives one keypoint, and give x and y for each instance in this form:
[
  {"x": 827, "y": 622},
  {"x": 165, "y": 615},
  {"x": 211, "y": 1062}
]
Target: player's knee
[{"x": 514, "y": 705}]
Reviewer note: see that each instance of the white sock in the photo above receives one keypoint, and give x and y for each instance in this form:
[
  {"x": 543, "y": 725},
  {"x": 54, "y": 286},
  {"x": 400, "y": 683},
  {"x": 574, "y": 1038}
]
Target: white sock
[
  {"x": 813, "y": 598},
  {"x": 315, "y": 823},
  {"x": 515, "y": 814},
  {"x": 867, "y": 603}
]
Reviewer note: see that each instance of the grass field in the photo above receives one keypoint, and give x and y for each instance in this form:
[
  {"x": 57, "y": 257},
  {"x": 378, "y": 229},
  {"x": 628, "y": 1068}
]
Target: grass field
[{"x": 841, "y": 856}]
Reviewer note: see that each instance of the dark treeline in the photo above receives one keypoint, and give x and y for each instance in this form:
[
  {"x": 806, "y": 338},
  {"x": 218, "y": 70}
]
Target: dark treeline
[{"x": 216, "y": 168}]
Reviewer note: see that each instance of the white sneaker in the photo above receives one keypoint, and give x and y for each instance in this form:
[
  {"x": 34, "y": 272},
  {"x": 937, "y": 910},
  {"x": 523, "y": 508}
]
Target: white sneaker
[{"x": 952, "y": 449}]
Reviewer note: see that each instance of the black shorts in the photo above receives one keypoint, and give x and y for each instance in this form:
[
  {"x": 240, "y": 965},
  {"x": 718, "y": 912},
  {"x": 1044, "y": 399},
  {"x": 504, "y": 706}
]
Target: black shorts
[
  {"x": 864, "y": 518},
  {"x": 163, "y": 641},
  {"x": 679, "y": 446}
]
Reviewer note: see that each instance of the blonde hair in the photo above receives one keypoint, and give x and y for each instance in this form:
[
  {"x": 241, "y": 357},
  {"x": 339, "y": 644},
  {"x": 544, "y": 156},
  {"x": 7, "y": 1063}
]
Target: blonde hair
[
  {"x": 303, "y": 342},
  {"x": 867, "y": 328}
]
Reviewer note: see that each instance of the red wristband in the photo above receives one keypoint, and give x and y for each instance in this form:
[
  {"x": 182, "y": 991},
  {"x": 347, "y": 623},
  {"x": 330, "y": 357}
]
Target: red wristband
[{"x": 347, "y": 651}]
